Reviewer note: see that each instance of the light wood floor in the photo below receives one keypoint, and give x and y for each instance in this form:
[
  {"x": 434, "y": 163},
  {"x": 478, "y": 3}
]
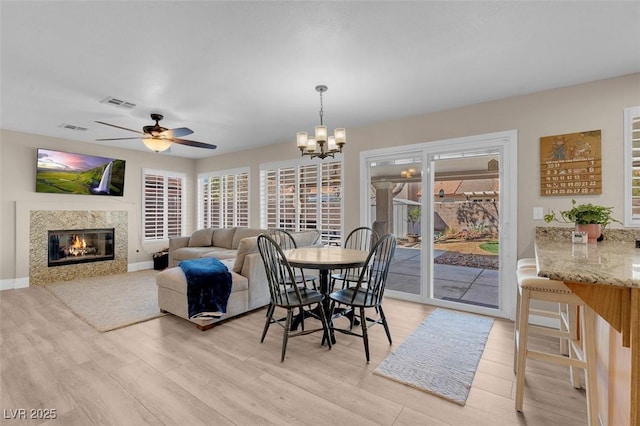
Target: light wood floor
[{"x": 166, "y": 372}]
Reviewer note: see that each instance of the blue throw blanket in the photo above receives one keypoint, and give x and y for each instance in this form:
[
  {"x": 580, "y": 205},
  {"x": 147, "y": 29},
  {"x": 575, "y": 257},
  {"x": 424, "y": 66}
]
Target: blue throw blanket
[{"x": 208, "y": 287}]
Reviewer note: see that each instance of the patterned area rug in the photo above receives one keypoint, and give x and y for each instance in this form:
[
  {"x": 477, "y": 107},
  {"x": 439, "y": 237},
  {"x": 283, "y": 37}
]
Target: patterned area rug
[
  {"x": 111, "y": 302},
  {"x": 441, "y": 356}
]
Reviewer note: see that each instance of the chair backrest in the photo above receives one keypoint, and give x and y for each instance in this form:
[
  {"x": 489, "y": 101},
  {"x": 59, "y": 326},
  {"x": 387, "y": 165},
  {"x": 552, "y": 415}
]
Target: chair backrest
[
  {"x": 279, "y": 273},
  {"x": 373, "y": 278},
  {"x": 362, "y": 238},
  {"x": 283, "y": 238}
]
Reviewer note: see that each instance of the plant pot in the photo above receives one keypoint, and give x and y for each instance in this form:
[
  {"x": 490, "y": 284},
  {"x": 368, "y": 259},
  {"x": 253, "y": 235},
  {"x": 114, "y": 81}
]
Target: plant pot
[
  {"x": 413, "y": 238},
  {"x": 593, "y": 230}
]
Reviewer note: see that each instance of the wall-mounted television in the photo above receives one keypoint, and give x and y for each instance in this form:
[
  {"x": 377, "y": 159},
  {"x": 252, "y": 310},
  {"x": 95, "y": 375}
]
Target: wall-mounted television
[{"x": 62, "y": 172}]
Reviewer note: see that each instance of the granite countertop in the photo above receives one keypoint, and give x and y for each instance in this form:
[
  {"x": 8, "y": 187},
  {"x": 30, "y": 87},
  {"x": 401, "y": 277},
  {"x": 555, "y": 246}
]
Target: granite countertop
[{"x": 609, "y": 262}]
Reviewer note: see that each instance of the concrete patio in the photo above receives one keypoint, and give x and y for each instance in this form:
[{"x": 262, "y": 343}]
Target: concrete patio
[{"x": 476, "y": 286}]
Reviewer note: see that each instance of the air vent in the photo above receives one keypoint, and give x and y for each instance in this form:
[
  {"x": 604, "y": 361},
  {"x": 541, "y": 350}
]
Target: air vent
[
  {"x": 72, "y": 127},
  {"x": 117, "y": 102}
]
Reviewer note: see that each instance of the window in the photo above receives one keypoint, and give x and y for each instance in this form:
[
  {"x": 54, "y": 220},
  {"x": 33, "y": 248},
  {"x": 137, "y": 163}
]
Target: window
[
  {"x": 223, "y": 199},
  {"x": 632, "y": 166},
  {"x": 296, "y": 197},
  {"x": 163, "y": 204}
]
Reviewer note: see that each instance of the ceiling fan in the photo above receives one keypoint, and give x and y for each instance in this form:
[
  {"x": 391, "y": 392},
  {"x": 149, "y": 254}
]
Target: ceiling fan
[{"x": 158, "y": 138}]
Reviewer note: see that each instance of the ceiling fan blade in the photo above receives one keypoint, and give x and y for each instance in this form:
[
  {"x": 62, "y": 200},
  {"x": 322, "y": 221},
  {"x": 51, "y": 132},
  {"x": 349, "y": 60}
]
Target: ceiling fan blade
[
  {"x": 194, "y": 143},
  {"x": 119, "y": 127},
  {"x": 177, "y": 133},
  {"x": 118, "y": 139}
]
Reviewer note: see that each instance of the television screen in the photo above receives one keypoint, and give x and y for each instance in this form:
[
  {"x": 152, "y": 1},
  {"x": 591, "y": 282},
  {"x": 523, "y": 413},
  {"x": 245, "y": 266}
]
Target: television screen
[{"x": 69, "y": 173}]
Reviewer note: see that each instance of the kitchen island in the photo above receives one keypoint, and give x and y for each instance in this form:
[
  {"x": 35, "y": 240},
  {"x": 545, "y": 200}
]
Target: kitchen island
[{"x": 606, "y": 276}]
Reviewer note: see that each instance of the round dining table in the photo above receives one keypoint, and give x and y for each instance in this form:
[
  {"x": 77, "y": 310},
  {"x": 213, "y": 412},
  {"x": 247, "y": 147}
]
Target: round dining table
[{"x": 324, "y": 259}]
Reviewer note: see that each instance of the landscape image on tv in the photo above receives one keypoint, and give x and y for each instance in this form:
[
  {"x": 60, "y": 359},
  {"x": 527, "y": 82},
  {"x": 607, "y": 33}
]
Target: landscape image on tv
[{"x": 69, "y": 173}]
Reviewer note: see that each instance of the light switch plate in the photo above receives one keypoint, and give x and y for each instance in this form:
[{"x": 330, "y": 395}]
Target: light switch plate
[{"x": 538, "y": 213}]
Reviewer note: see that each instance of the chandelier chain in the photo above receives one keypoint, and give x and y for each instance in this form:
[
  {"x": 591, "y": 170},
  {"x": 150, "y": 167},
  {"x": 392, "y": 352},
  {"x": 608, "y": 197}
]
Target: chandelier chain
[{"x": 321, "y": 107}]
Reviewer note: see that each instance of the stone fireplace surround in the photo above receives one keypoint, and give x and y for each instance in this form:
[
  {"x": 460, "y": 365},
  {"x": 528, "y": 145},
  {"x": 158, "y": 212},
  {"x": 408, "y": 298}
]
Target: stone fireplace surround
[{"x": 35, "y": 219}]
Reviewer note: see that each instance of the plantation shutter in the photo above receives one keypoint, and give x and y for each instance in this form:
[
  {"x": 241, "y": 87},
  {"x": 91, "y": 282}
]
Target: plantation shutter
[
  {"x": 163, "y": 200},
  {"x": 305, "y": 196},
  {"x": 632, "y": 166},
  {"x": 223, "y": 200}
]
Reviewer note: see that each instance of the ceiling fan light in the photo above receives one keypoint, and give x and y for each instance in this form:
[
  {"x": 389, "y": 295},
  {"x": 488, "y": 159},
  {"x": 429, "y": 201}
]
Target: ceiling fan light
[{"x": 157, "y": 145}]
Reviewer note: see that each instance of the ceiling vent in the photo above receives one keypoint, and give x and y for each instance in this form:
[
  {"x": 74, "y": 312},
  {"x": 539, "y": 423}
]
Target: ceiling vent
[
  {"x": 72, "y": 127},
  {"x": 117, "y": 102}
]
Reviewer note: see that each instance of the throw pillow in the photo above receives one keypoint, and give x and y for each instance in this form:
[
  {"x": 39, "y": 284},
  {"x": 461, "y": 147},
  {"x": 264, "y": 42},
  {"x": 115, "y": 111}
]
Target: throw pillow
[{"x": 201, "y": 238}]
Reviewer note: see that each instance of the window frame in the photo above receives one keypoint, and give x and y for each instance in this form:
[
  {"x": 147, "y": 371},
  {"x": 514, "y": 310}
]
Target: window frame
[
  {"x": 225, "y": 174},
  {"x": 276, "y": 170},
  {"x": 166, "y": 175},
  {"x": 631, "y": 114}
]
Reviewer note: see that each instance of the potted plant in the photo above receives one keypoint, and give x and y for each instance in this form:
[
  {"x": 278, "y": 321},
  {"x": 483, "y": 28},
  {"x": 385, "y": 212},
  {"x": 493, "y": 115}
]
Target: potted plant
[
  {"x": 413, "y": 217},
  {"x": 590, "y": 218}
]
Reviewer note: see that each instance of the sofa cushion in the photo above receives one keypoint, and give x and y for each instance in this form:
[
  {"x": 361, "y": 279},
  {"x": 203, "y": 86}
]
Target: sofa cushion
[
  {"x": 201, "y": 238},
  {"x": 306, "y": 238},
  {"x": 185, "y": 253},
  {"x": 174, "y": 279},
  {"x": 247, "y": 246},
  {"x": 223, "y": 237},
  {"x": 220, "y": 253},
  {"x": 244, "y": 233}
]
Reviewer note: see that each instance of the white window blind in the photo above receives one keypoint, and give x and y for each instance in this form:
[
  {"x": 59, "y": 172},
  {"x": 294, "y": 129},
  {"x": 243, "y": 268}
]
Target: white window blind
[
  {"x": 163, "y": 204},
  {"x": 223, "y": 199},
  {"x": 303, "y": 196}
]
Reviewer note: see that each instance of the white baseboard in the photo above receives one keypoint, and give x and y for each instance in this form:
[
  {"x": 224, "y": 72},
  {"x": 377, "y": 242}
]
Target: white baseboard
[
  {"x": 14, "y": 283},
  {"x": 139, "y": 266}
]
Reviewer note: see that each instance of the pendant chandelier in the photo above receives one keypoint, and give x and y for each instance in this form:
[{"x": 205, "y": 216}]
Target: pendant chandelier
[{"x": 321, "y": 145}]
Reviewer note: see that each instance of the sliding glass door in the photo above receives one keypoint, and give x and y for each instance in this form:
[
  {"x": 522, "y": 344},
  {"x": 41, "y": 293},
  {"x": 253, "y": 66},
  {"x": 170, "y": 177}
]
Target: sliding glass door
[{"x": 452, "y": 206}]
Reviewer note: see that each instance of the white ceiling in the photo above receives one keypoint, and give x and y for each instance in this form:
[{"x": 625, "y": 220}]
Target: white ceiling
[{"x": 242, "y": 74}]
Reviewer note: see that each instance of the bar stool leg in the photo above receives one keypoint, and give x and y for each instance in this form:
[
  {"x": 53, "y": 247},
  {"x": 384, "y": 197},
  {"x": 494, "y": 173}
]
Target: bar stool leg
[
  {"x": 516, "y": 332},
  {"x": 588, "y": 320},
  {"x": 523, "y": 319}
]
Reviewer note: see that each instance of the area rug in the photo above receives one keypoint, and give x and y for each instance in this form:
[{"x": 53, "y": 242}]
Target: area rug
[
  {"x": 441, "y": 355},
  {"x": 111, "y": 302}
]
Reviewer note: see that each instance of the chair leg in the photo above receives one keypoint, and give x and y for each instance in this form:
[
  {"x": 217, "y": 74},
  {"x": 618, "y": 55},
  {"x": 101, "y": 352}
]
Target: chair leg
[
  {"x": 365, "y": 336},
  {"x": 384, "y": 324},
  {"x": 267, "y": 323},
  {"x": 523, "y": 319},
  {"x": 285, "y": 335}
]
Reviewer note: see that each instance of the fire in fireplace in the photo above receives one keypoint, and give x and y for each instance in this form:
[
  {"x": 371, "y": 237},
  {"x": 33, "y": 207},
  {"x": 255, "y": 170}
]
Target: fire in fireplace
[{"x": 68, "y": 246}]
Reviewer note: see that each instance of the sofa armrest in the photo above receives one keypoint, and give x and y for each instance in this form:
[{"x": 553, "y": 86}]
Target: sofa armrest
[
  {"x": 176, "y": 243},
  {"x": 253, "y": 269}
]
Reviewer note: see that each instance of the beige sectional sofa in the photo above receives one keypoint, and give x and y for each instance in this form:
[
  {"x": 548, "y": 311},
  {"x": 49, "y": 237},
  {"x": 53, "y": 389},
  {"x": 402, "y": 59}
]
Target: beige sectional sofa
[{"x": 237, "y": 248}]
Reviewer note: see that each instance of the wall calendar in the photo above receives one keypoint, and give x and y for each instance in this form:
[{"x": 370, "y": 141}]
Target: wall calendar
[{"x": 571, "y": 164}]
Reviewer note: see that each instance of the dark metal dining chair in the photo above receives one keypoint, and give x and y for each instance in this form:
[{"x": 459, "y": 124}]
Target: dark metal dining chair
[
  {"x": 286, "y": 242},
  {"x": 367, "y": 292},
  {"x": 284, "y": 294},
  {"x": 362, "y": 238}
]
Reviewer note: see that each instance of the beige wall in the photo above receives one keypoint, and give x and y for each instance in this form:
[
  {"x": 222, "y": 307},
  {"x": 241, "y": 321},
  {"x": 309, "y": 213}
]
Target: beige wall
[
  {"x": 17, "y": 193},
  {"x": 594, "y": 105}
]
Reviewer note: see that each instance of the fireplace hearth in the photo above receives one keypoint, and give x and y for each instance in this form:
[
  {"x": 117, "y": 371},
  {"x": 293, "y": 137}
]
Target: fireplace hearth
[{"x": 69, "y": 246}]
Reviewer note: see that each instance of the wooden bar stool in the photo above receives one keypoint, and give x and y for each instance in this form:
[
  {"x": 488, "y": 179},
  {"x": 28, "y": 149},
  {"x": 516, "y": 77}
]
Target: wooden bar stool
[
  {"x": 582, "y": 352},
  {"x": 567, "y": 316}
]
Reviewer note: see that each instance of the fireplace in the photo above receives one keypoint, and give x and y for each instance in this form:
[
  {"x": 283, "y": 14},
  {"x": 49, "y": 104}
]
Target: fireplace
[{"x": 69, "y": 246}]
